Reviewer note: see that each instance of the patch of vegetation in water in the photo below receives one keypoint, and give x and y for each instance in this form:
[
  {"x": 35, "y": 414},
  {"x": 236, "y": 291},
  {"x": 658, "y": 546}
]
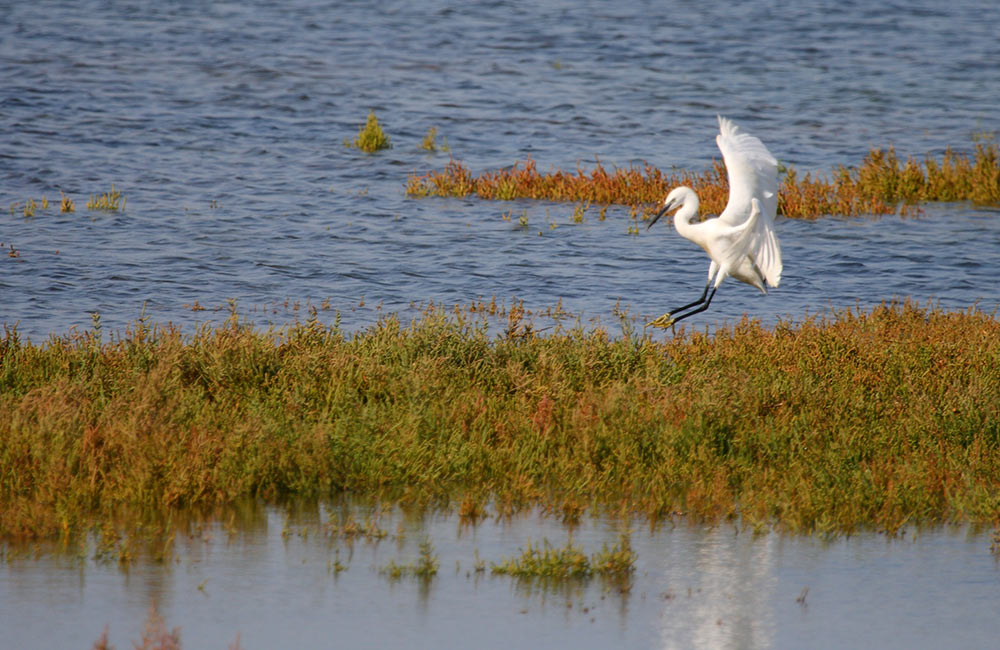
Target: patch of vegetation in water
[
  {"x": 881, "y": 184},
  {"x": 371, "y": 137},
  {"x": 548, "y": 562}
]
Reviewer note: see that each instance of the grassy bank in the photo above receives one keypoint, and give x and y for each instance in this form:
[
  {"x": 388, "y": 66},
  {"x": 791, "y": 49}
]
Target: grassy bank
[
  {"x": 872, "y": 419},
  {"x": 879, "y": 185}
]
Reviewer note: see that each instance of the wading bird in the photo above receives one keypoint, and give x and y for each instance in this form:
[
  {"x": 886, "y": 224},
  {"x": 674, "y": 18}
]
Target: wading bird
[{"x": 740, "y": 241}]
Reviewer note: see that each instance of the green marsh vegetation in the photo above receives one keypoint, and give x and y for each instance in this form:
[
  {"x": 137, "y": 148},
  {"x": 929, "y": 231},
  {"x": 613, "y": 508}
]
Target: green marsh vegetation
[
  {"x": 429, "y": 142},
  {"x": 113, "y": 201},
  {"x": 371, "y": 137},
  {"x": 424, "y": 568},
  {"x": 570, "y": 562},
  {"x": 839, "y": 422},
  {"x": 881, "y": 184}
]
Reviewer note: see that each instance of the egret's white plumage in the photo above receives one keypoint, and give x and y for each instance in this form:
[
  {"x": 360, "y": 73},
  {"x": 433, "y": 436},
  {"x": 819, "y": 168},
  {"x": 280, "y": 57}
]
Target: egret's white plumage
[{"x": 741, "y": 241}]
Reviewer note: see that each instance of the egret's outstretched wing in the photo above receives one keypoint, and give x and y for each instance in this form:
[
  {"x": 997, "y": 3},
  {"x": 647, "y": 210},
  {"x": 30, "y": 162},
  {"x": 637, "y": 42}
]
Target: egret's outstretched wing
[
  {"x": 753, "y": 173},
  {"x": 734, "y": 249}
]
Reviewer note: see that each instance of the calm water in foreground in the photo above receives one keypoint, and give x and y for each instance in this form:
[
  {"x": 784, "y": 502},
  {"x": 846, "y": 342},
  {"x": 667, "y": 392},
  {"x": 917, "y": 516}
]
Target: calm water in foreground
[
  {"x": 224, "y": 125},
  {"x": 271, "y": 581}
]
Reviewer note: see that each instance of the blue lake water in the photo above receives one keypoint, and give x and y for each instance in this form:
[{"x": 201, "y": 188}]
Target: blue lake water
[{"x": 224, "y": 126}]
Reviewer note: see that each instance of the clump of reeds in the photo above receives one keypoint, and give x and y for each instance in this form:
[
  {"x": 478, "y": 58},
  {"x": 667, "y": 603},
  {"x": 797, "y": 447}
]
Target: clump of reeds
[
  {"x": 847, "y": 420},
  {"x": 371, "y": 137},
  {"x": 66, "y": 205},
  {"x": 878, "y": 186},
  {"x": 548, "y": 562},
  {"x": 112, "y": 201}
]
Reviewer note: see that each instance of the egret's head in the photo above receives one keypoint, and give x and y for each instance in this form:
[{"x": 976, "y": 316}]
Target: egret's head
[{"x": 674, "y": 200}]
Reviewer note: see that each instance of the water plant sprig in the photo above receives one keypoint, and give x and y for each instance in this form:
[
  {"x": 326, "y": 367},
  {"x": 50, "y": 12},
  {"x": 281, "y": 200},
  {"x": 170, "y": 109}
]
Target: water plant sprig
[
  {"x": 424, "y": 568},
  {"x": 112, "y": 201},
  {"x": 429, "y": 142},
  {"x": 371, "y": 137},
  {"x": 66, "y": 204}
]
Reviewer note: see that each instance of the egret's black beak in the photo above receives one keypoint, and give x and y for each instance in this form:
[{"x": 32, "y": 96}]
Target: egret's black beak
[{"x": 656, "y": 217}]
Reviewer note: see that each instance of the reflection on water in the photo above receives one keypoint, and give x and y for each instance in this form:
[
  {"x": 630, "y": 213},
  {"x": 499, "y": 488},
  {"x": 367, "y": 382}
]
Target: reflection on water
[
  {"x": 273, "y": 578},
  {"x": 730, "y": 600}
]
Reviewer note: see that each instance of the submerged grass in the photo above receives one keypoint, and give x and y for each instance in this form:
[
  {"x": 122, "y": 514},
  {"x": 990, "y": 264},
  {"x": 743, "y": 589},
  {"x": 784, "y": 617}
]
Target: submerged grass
[
  {"x": 826, "y": 425},
  {"x": 549, "y": 563},
  {"x": 424, "y": 568},
  {"x": 880, "y": 185}
]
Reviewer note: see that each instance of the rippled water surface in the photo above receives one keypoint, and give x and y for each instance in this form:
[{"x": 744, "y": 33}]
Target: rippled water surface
[{"x": 224, "y": 125}]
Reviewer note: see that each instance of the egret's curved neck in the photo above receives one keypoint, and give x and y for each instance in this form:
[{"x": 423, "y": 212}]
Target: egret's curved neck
[{"x": 689, "y": 210}]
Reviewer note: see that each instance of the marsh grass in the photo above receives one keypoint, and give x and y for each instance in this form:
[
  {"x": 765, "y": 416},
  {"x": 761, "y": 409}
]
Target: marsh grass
[
  {"x": 882, "y": 184},
  {"x": 569, "y": 562},
  {"x": 112, "y": 201},
  {"x": 429, "y": 142},
  {"x": 833, "y": 423},
  {"x": 371, "y": 137},
  {"x": 66, "y": 204}
]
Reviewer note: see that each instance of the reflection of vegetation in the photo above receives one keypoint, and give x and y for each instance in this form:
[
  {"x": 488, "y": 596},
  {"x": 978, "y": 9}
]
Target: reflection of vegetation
[
  {"x": 853, "y": 419},
  {"x": 878, "y": 186},
  {"x": 155, "y": 636}
]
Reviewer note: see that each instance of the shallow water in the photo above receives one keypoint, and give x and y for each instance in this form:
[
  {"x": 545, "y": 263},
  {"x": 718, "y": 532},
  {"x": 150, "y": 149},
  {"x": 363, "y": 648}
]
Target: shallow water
[
  {"x": 271, "y": 582},
  {"x": 224, "y": 125}
]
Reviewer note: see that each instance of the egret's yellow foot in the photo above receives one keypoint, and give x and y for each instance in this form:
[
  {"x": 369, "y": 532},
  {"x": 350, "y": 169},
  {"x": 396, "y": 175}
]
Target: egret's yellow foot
[{"x": 663, "y": 322}]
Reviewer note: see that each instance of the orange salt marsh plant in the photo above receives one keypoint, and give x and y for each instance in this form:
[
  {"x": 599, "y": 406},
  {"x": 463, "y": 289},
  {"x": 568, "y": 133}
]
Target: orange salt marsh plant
[{"x": 878, "y": 186}]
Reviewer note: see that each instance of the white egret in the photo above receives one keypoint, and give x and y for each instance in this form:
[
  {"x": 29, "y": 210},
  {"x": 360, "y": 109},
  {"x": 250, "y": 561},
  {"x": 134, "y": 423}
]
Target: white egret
[{"x": 740, "y": 241}]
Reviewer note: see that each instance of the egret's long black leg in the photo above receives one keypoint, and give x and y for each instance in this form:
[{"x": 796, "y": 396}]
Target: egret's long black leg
[
  {"x": 698, "y": 309},
  {"x": 696, "y": 302},
  {"x": 669, "y": 319}
]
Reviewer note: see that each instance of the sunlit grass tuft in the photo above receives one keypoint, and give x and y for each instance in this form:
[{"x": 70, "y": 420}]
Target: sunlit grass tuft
[
  {"x": 112, "y": 201},
  {"x": 66, "y": 204},
  {"x": 371, "y": 137}
]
